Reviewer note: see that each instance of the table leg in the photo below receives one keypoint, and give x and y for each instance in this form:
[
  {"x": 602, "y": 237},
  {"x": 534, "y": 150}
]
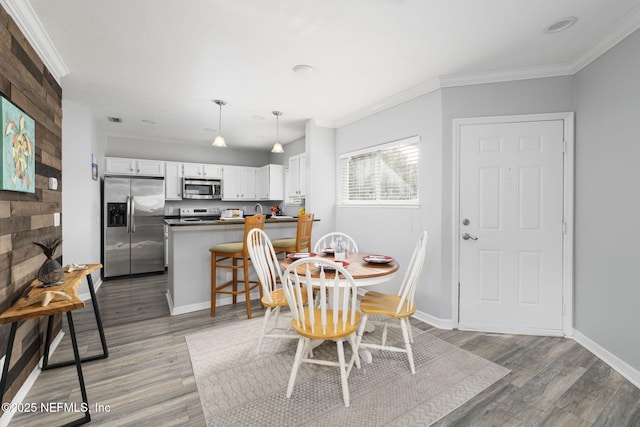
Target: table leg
[
  {"x": 103, "y": 339},
  {"x": 78, "y": 363},
  {"x": 7, "y": 360}
]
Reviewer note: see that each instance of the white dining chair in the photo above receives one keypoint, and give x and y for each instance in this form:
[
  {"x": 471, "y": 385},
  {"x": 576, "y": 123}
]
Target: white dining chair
[
  {"x": 400, "y": 306},
  {"x": 320, "y": 317},
  {"x": 267, "y": 266},
  {"x": 329, "y": 239}
]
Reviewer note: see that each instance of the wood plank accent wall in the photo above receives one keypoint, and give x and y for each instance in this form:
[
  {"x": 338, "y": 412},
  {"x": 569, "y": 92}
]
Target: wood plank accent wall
[{"x": 28, "y": 217}]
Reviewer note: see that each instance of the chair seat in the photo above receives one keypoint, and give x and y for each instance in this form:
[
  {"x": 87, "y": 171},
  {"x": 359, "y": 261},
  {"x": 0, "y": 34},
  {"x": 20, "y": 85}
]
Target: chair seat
[
  {"x": 278, "y": 299},
  {"x": 380, "y": 303},
  {"x": 227, "y": 248},
  {"x": 341, "y": 332},
  {"x": 287, "y": 242}
]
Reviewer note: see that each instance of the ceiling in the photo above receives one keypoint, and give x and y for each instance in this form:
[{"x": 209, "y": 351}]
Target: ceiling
[{"x": 158, "y": 64}]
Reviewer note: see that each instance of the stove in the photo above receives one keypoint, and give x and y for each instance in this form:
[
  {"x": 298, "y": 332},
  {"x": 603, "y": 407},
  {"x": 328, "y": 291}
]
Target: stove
[{"x": 199, "y": 214}]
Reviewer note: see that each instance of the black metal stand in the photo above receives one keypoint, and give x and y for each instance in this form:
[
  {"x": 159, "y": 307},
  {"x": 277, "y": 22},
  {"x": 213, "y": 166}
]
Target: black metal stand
[
  {"x": 76, "y": 361},
  {"x": 103, "y": 340}
]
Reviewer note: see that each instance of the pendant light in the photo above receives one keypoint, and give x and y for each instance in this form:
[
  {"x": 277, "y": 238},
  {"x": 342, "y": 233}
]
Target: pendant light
[
  {"x": 219, "y": 141},
  {"x": 277, "y": 147}
]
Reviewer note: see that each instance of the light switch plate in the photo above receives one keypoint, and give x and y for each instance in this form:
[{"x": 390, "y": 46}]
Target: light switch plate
[{"x": 56, "y": 219}]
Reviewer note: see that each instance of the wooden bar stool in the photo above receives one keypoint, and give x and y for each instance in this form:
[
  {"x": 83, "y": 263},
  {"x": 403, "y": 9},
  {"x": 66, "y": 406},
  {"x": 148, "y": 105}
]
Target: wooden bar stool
[
  {"x": 234, "y": 251},
  {"x": 301, "y": 242}
]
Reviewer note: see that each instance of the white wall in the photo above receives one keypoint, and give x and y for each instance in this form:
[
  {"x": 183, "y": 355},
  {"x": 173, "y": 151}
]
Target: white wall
[
  {"x": 81, "y": 228},
  {"x": 320, "y": 177},
  {"x": 607, "y": 277},
  {"x": 395, "y": 231},
  {"x": 118, "y": 146}
]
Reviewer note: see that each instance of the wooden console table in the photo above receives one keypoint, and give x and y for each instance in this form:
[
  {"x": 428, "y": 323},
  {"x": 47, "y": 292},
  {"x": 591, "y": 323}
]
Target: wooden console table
[{"x": 18, "y": 312}]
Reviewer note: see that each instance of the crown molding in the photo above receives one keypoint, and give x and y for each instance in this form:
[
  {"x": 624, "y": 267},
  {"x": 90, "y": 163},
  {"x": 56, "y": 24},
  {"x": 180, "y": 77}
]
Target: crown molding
[
  {"x": 625, "y": 27},
  {"x": 33, "y": 30},
  {"x": 506, "y": 75},
  {"x": 392, "y": 101}
]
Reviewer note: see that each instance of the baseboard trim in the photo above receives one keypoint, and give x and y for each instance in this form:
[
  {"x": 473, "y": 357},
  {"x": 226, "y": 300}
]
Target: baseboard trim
[
  {"x": 31, "y": 380},
  {"x": 434, "y": 321},
  {"x": 619, "y": 365},
  {"x": 189, "y": 308}
]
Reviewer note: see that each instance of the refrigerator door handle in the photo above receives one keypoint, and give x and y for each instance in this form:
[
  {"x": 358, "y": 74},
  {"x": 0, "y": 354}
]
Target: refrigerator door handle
[
  {"x": 128, "y": 214},
  {"x": 133, "y": 214}
]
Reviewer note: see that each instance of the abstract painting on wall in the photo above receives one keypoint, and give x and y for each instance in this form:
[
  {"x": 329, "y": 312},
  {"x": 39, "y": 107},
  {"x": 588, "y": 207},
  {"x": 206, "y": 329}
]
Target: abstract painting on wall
[{"x": 17, "y": 152}]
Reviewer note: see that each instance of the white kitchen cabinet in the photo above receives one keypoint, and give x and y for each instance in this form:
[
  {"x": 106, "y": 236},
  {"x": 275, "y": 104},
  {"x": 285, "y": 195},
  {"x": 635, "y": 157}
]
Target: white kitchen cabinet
[
  {"x": 173, "y": 181},
  {"x": 270, "y": 182},
  {"x": 239, "y": 183},
  {"x": 296, "y": 179},
  {"x": 139, "y": 167},
  {"x": 206, "y": 171}
]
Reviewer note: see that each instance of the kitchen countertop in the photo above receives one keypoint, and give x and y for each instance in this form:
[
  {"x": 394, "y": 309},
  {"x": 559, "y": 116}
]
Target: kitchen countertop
[{"x": 178, "y": 222}]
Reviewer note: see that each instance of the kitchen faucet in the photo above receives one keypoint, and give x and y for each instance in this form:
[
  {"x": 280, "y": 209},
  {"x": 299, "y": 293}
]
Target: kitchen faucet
[{"x": 258, "y": 208}]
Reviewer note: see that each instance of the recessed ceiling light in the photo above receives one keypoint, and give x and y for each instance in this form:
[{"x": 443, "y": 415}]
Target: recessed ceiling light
[
  {"x": 561, "y": 25},
  {"x": 303, "y": 70},
  {"x": 114, "y": 119}
]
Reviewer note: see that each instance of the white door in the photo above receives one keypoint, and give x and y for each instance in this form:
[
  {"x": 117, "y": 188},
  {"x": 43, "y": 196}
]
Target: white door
[{"x": 511, "y": 227}]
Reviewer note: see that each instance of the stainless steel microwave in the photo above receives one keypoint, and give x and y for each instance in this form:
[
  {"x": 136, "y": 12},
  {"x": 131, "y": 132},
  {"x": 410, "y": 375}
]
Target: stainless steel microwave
[{"x": 201, "y": 188}]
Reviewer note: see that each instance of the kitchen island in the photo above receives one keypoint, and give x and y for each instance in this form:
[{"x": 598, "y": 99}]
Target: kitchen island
[{"x": 189, "y": 263}]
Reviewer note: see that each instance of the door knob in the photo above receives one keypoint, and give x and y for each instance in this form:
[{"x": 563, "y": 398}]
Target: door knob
[{"x": 467, "y": 236}]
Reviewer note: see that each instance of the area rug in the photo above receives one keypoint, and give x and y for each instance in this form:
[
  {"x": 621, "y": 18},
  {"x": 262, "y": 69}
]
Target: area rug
[{"x": 239, "y": 387}]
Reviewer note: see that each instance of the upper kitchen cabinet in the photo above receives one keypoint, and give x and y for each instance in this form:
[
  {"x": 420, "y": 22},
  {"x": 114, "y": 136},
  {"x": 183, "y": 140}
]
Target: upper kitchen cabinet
[
  {"x": 173, "y": 181},
  {"x": 296, "y": 183},
  {"x": 239, "y": 183},
  {"x": 122, "y": 166},
  {"x": 270, "y": 182},
  {"x": 197, "y": 170}
]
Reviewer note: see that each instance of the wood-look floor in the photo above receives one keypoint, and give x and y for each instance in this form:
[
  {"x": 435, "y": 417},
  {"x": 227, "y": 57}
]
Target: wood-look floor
[{"x": 148, "y": 380}]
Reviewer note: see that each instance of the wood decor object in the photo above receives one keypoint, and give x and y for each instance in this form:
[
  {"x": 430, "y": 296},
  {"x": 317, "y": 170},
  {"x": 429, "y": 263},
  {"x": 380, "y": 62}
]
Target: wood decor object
[
  {"x": 26, "y": 217},
  {"x": 21, "y": 311}
]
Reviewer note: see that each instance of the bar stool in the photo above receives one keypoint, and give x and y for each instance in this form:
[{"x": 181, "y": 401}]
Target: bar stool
[
  {"x": 302, "y": 240},
  {"x": 234, "y": 251}
]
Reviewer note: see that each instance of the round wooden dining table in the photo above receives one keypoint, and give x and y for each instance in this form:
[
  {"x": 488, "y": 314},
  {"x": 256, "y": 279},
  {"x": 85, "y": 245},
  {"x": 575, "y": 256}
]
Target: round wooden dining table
[{"x": 364, "y": 273}]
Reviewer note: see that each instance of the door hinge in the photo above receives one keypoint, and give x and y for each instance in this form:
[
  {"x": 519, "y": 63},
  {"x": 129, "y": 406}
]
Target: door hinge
[
  {"x": 564, "y": 146},
  {"x": 564, "y": 227}
]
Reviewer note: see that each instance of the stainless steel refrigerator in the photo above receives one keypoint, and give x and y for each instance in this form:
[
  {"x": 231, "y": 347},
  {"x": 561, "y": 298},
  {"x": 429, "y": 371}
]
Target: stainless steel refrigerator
[{"x": 133, "y": 240}]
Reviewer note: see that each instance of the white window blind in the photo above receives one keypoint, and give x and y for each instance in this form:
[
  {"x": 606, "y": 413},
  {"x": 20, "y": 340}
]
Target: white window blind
[{"x": 384, "y": 174}]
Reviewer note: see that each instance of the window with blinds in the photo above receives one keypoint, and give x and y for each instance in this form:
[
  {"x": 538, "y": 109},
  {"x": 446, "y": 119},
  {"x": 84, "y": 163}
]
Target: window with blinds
[{"x": 384, "y": 174}]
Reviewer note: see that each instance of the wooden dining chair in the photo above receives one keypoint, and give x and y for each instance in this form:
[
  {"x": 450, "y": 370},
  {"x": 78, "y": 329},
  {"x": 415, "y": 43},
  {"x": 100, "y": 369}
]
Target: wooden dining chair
[
  {"x": 267, "y": 266},
  {"x": 234, "y": 252},
  {"x": 302, "y": 241},
  {"x": 400, "y": 306},
  {"x": 329, "y": 240},
  {"x": 320, "y": 317}
]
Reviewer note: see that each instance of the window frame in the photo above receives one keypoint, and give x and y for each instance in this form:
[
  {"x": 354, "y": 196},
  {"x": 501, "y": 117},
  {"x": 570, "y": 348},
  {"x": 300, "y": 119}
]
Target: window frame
[{"x": 415, "y": 139}]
